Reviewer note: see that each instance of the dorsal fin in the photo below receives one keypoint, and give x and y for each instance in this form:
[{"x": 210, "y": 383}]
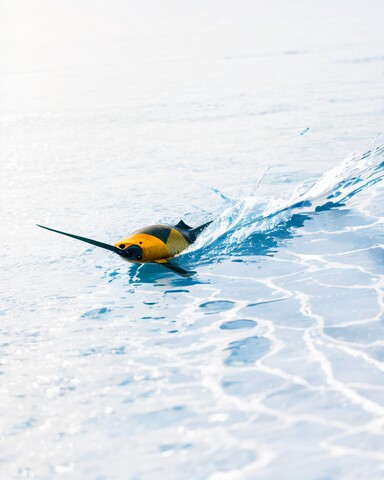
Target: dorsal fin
[{"x": 182, "y": 224}]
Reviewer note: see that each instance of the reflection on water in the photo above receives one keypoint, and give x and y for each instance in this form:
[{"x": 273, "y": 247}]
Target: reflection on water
[{"x": 117, "y": 115}]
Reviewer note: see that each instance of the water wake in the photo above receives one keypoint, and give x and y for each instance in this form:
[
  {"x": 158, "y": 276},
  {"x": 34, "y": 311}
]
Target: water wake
[{"x": 254, "y": 226}]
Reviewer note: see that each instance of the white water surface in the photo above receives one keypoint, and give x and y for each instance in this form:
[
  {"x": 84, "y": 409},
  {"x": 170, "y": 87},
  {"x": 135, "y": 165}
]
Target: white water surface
[{"x": 266, "y": 117}]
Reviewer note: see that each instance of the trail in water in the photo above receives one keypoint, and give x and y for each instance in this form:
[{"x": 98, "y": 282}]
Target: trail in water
[{"x": 255, "y": 226}]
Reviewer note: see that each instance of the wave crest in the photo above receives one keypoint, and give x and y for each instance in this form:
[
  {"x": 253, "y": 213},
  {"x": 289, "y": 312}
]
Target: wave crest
[{"x": 251, "y": 226}]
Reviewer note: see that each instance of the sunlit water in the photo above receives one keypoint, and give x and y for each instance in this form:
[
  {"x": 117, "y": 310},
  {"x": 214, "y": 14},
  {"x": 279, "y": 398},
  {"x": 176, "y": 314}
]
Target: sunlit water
[{"x": 267, "y": 119}]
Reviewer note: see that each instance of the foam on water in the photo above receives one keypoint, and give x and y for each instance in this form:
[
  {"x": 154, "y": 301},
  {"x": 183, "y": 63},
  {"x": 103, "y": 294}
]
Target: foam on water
[
  {"x": 269, "y": 363},
  {"x": 269, "y": 360},
  {"x": 285, "y": 370},
  {"x": 253, "y": 226}
]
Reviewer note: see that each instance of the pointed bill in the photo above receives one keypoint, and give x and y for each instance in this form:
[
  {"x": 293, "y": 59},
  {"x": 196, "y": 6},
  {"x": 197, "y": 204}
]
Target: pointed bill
[{"x": 86, "y": 240}]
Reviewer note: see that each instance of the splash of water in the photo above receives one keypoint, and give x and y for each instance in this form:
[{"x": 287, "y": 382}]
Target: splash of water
[{"x": 255, "y": 226}]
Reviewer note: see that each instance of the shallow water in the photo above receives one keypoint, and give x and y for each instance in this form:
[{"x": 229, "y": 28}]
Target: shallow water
[{"x": 267, "y": 119}]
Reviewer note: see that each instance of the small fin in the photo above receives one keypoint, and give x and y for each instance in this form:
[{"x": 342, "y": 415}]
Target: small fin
[
  {"x": 182, "y": 224},
  {"x": 175, "y": 269}
]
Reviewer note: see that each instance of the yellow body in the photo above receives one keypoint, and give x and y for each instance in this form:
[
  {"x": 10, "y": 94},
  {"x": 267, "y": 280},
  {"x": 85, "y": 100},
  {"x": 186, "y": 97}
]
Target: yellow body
[{"x": 154, "y": 249}]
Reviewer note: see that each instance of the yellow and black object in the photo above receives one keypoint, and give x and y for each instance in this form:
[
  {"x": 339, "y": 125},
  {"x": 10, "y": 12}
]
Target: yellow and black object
[{"x": 156, "y": 244}]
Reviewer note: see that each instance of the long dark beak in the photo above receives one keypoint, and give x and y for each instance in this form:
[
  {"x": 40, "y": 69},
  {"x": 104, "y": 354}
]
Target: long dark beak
[{"x": 87, "y": 240}]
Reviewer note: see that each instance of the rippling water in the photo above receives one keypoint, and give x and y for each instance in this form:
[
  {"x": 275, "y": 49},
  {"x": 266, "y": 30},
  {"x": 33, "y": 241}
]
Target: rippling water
[{"x": 265, "y": 118}]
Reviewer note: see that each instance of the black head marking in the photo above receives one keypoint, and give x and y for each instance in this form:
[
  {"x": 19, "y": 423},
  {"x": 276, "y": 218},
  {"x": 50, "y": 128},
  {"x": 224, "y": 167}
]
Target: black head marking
[{"x": 158, "y": 231}]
